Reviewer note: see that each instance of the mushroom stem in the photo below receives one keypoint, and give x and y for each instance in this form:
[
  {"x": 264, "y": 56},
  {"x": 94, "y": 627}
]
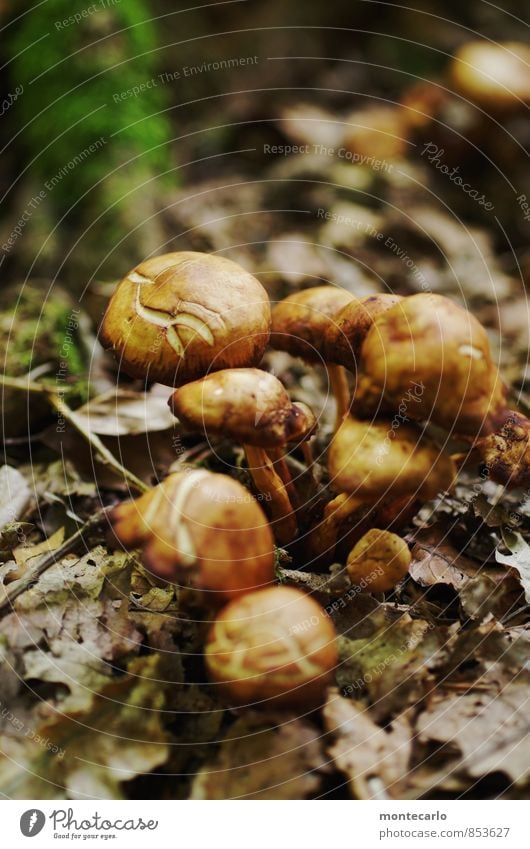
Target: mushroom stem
[
  {"x": 280, "y": 464},
  {"x": 268, "y": 481},
  {"x": 323, "y": 538},
  {"x": 340, "y": 389},
  {"x": 307, "y": 453}
]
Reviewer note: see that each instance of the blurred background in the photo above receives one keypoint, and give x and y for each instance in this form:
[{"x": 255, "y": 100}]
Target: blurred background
[{"x": 136, "y": 126}]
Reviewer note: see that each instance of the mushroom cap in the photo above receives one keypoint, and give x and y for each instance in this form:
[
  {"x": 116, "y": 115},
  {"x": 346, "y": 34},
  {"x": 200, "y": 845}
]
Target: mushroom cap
[
  {"x": 432, "y": 358},
  {"x": 373, "y": 460},
  {"x": 275, "y": 647},
  {"x": 344, "y": 338},
  {"x": 202, "y": 530},
  {"x": 177, "y": 316},
  {"x": 246, "y": 404},
  {"x": 506, "y": 453},
  {"x": 378, "y": 561},
  {"x": 300, "y": 321},
  {"x": 493, "y": 75}
]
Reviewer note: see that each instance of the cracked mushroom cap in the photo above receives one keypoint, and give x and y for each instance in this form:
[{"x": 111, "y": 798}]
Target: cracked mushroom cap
[
  {"x": 300, "y": 321},
  {"x": 202, "y": 530},
  {"x": 345, "y": 336},
  {"x": 273, "y": 648},
  {"x": 493, "y": 75},
  {"x": 432, "y": 359},
  {"x": 177, "y": 316},
  {"x": 373, "y": 460},
  {"x": 245, "y": 404}
]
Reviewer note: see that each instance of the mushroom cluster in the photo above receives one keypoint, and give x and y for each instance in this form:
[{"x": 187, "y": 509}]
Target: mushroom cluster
[
  {"x": 201, "y": 324},
  {"x": 396, "y": 366}
]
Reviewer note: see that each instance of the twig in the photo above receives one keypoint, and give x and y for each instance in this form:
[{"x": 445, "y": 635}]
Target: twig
[
  {"x": 54, "y": 396},
  {"x": 26, "y": 385},
  {"x": 104, "y": 455},
  {"x": 8, "y": 596}
]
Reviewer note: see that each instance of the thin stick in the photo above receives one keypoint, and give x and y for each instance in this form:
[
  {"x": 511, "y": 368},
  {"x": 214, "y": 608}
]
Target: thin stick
[
  {"x": 8, "y": 596},
  {"x": 54, "y": 396},
  {"x": 26, "y": 385},
  {"x": 104, "y": 455}
]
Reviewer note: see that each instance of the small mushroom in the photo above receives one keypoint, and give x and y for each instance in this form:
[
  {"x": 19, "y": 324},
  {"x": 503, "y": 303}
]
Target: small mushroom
[
  {"x": 202, "y": 530},
  {"x": 373, "y": 462},
  {"x": 344, "y": 338},
  {"x": 506, "y": 452},
  {"x": 273, "y": 648},
  {"x": 378, "y": 561},
  {"x": 429, "y": 359},
  {"x": 299, "y": 326},
  {"x": 253, "y": 407},
  {"x": 177, "y": 316},
  {"x": 495, "y": 76}
]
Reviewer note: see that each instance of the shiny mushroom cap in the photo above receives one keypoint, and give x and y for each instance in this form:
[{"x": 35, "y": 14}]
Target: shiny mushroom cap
[
  {"x": 374, "y": 460},
  {"x": 495, "y": 76},
  {"x": 432, "y": 358},
  {"x": 202, "y": 530},
  {"x": 177, "y": 316},
  {"x": 300, "y": 321},
  {"x": 246, "y": 404},
  {"x": 344, "y": 338}
]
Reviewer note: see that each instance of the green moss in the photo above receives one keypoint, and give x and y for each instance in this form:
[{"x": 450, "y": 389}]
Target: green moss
[
  {"x": 37, "y": 330},
  {"x": 75, "y": 129}
]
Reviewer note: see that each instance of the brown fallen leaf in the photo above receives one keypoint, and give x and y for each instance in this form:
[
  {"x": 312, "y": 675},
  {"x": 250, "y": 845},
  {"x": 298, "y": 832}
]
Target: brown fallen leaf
[
  {"x": 23, "y": 553},
  {"x": 259, "y": 759},
  {"x": 436, "y": 561},
  {"x": 490, "y": 729},
  {"x": 89, "y": 754},
  {"x": 375, "y": 760}
]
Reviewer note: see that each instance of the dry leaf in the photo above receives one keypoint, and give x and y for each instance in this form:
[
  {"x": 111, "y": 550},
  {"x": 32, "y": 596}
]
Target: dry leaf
[
  {"x": 490, "y": 729},
  {"x": 375, "y": 760},
  {"x": 519, "y": 559},
  {"x": 89, "y": 755},
  {"x": 436, "y": 561},
  {"x": 261, "y": 760},
  {"x": 15, "y": 495}
]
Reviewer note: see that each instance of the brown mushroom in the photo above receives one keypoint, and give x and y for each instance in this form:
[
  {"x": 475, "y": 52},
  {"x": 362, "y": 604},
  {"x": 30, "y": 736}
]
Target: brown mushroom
[
  {"x": 378, "y": 561},
  {"x": 202, "y": 530},
  {"x": 299, "y": 325},
  {"x": 177, "y": 316},
  {"x": 273, "y": 648},
  {"x": 506, "y": 452},
  {"x": 430, "y": 358},
  {"x": 372, "y": 462},
  {"x": 253, "y": 407},
  {"x": 344, "y": 338}
]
